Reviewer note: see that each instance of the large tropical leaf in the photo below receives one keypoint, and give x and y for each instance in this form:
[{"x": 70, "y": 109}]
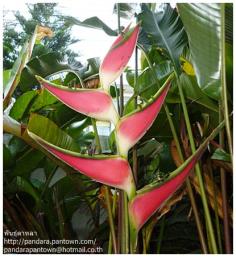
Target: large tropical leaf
[
  {"x": 20, "y": 63},
  {"x": 193, "y": 92},
  {"x": 21, "y": 104},
  {"x": 165, "y": 29},
  {"x": 43, "y": 65},
  {"x": 50, "y": 132},
  {"x": 14, "y": 77},
  {"x": 93, "y": 22},
  {"x": 127, "y": 10},
  {"x": 202, "y": 23}
]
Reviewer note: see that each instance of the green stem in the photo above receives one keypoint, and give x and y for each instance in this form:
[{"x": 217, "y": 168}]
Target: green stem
[
  {"x": 197, "y": 169},
  {"x": 228, "y": 247},
  {"x": 179, "y": 150},
  {"x": 110, "y": 216},
  {"x": 144, "y": 241},
  {"x": 59, "y": 213},
  {"x": 227, "y": 236},
  {"x": 224, "y": 85},
  {"x": 215, "y": 209},
  {"x": 126, "y": 224},
  {"x": 123, "y": 212},
  {"x": 113, "y": 214},
  {"x": 117, "y": 98},
  {"x": 160, "y": 236},
  {"x": 97, "y": 140}
]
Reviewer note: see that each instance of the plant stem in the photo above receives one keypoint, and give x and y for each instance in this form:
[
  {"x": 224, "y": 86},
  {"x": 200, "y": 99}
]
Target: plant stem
[
  {"x": 117, "y": 98},
  {"x": 126, "y": 224},
  {"x": 110, "y": 216},
  {"x": 228, "y": 247},
  {"x": 123, "y": 205},
  {"x": 97, "y": 140},
  {"x": 224, "y": 84},
  {"x": 113, "y": 214},
  {"x": 188, "y": 184},
  {"x": 179, "y": 150},
  {"x": 197, "y": 169},
  {"x": 160, "y": 236},
  {"x": 215, "y": 208},
  {"x": 59, "y": 213}
]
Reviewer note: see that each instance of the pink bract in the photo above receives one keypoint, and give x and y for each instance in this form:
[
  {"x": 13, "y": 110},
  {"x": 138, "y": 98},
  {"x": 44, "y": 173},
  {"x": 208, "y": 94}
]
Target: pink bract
[
  {"x": 118, "y": 56},
  {"x": 110, "y": 170},
  {"x": 143, "y": 206},
  {"x": 94, "y": 103},
  {"x": 131, "y": 128}
]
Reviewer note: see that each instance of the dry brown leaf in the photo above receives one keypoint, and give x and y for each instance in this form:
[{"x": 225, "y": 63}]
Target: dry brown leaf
[
  {"x": 176, "y": 197},
  {"x": 43, "y": 32},
  {"x": 174, "y": 154},
  {"x": 210, "y": 192}
]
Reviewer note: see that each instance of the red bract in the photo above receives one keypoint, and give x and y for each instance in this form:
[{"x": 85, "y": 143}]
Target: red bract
[
  {"x": 132, "y": 127},
  {"x": 118, "y": 56},
  {"x": 110, "y": 170},
  {"x": 144, "y": 205},
  {"x": 94, "y": 103}
]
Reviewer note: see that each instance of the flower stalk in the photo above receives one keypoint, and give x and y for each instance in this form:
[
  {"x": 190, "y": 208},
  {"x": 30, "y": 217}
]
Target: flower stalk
[{"x": 198, "y": 170}]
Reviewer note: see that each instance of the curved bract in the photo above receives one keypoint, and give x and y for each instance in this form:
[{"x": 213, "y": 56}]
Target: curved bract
[
  {"x": 95, "y": 103},
  {"x": 151, "y": 197},
  {"x": 132, "y": 127},
  {"x": 118, "y": 56},
  {"x": 110, "y": 170}
]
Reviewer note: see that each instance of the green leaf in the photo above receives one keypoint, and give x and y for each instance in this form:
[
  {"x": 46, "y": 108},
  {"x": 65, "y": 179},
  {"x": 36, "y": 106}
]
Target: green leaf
[
  {"x": 146, "y": 84},
  {"x": 77, "y": 127},
  {"x": 130, "y": 106},
  {"x": 17, "y": 146},
  {"x": 44, "y": 99},
  {"x": 220, "y": 155},
  {"x": 148, "y": 148},
  {"x": 93, "y": 22},
  {"x": 21, "y": 104},
  {"x": 127, "y": 10},
  {"x": 16, "y": 73},
  {"x": 17, "y": 68},
  {"x": 8, "y": 159},
  {"x": 165, "y": 29},
  {"x": 52, "y": 64},
  {"x": 193, "y": 92},
  {"x": 202, "y": 23},
  {"x": 43, "y": 66},
  {"x": 6, "y": 77},
  {"x": 114, "y": 92},
  {"x": 50, "y": 132},
  {"x": 27, "y": 163},
  {"x": 20, "y": 184}
]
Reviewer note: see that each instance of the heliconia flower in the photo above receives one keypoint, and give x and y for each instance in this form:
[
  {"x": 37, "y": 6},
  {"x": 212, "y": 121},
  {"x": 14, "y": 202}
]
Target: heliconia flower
[
  {"x": 113, "y": 170},
  {"x": 150, "y": 198},
  {"x": 133, "y": 126},
  {"x": 118, "y": 56},
  {"x": 95, "y": 103}
]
